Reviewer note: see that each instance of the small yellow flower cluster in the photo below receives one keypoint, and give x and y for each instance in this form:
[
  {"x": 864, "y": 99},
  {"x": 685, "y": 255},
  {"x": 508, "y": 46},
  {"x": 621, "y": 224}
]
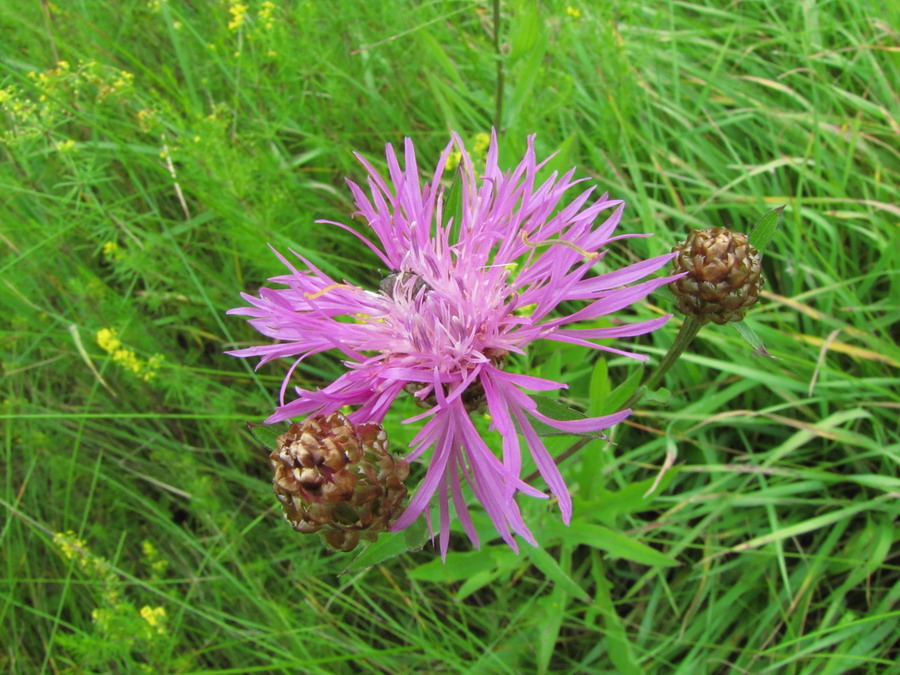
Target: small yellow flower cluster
[
  {"x": 266, "y": 12},
  {"x": 88, "y": 76},
  {"x": 238, "y": 11},
  {"x": 116, "y": 619},
  {"x": 22, "y": 116},
  {"x": 112, "y": 252},
  {"x": 109, "y": 341},
  {"x": 574, "y": 13},
  {"x": 47, "y": 80},
  {"x": 70, "y": 545},
  {"x": 256, "y": 28},
  {"x": 453, "y": 159},
  {"x": 65, "y": 147},
  {"x": 147, "y": 119},
  {"x": 56, "y": 92},
  {"x": 156, "y": 617},
  {"x": 153, "y": 559},
  {"x": 480, "y": 144},
  {"x": 76, "y": 549}
]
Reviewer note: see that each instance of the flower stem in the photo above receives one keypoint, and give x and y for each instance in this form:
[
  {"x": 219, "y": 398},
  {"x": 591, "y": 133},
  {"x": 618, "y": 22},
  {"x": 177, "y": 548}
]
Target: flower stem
[
  {"x": 686, "y": 334},
  {"x": 498, "y": 103}
]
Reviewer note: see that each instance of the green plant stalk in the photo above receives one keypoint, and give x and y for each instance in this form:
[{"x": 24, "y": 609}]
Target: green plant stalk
[{"x": 686, "y": 335}]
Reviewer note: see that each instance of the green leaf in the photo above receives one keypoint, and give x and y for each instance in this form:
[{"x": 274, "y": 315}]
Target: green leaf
[
  {"x": 416, "y": 535},
  {"x": 552, "y": 609},
  {"x": 622, "y": 393},
  {"x": 660, "y": 396},
  {"x": 615, "y": 544},
  {"x": 388, "y": 545},
  {"x": 630, "y": 499},
  {"x": 453, "y": 207},
  {"x": 505, "y": 562},
  {"x": 459, "y": 567},
  {"x": 547, "y": 564},
  {"x": 665, "y": 293},
  {"x": 751, "y": 338},
  {"x": 267, "y": 434},
  {"x": 618, "y": 646},
  {"x": 764, "y": 230},
  {"x": 599, "y": 388},
  {"x": 524, "y": 32}
]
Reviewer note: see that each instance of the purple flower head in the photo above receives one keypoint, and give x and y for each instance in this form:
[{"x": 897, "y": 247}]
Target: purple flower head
[{"x": 463, "y": 293}]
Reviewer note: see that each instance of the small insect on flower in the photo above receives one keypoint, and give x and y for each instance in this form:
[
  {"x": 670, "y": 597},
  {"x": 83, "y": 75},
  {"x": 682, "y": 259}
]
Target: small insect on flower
[
  {"x": 466, "y": 292},
  {"x": 388, "y": 284}
]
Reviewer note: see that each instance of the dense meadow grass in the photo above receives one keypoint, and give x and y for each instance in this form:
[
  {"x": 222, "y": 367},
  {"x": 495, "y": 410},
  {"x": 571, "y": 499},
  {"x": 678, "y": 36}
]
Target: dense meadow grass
[{"x": 151, "y": 151}]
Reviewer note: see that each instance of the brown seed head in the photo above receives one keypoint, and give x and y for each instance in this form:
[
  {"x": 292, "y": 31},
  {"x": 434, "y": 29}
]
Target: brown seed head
[
  {"x": 724, "y": 275},
  {"x": 338, "y": 478}
]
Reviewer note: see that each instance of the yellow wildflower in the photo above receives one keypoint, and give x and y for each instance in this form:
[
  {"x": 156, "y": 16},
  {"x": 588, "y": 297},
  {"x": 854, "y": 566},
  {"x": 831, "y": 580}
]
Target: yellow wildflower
[
  {"x": 65, "y": 146},
  {"x": 147, "y": 119},
  {"x": 574, "y": 13},
  {"x": 127, "y": 359},
  {"x": 69, "y": 545},
  {"x": 238, "y": 12},
  {"x": 453, "y": 159},
  {"x": 155, "y": 616},
  {"x": 481, "y": 144},
  {"x": 266, "y": 11},
  {"x": 151, "y": 367},
  {"x": 110, "y": 249},
  {"x": 108, "y": 339}
]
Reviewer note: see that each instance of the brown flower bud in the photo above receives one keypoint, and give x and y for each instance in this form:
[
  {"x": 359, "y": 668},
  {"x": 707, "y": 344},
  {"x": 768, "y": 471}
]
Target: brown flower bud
[
  {"x": 724, "y": 275},
  {"x": 338, "y": 478}
]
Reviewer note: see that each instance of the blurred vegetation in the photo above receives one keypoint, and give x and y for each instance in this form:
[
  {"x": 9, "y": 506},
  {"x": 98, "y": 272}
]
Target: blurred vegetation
[{"x": 151, "y": 151}]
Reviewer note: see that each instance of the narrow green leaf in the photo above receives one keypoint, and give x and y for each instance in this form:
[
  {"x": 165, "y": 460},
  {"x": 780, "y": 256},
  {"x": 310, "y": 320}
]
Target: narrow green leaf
[
  {"x": 660, "y": 396},
  {"x": 811, "y": 524},
  {"x": 614, "y": 543},
  {"x": 764, "y": 230},
  {"x": 630, "y": 499},
  {"x": 388, "y": 545},
  {"x": 475, "y": 583},
  {"x": 267, "y": 434},
  {"x": 618, "y": 646},
  {"x": 453, "y": 207},
  {"x": 505, "y": 563},
  {"x": 416, "y": 535},
  {"x": 459, "y": 567},
  {"x": 524, "y": 32},
  {"x": 622, "y": 393},
  {"x": 600, "y": 387},
  {"x": 547, "y": 564},
  {"x": 751, "y": 338},
  {"x": 665, "y": 293},
  {"x": 552, "y": 608}
]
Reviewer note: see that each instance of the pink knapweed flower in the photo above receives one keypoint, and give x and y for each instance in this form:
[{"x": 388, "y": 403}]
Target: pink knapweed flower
[{"x": 463, "y": 293}]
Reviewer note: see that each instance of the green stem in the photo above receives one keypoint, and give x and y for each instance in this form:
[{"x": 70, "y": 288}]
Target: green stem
[
  {"x": 686, "y": 334},
  {"x": 498, "y": 103}
]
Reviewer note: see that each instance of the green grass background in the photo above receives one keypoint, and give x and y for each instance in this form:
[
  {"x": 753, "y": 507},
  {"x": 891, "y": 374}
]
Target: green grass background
[{"x": 141, "y": 183}]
